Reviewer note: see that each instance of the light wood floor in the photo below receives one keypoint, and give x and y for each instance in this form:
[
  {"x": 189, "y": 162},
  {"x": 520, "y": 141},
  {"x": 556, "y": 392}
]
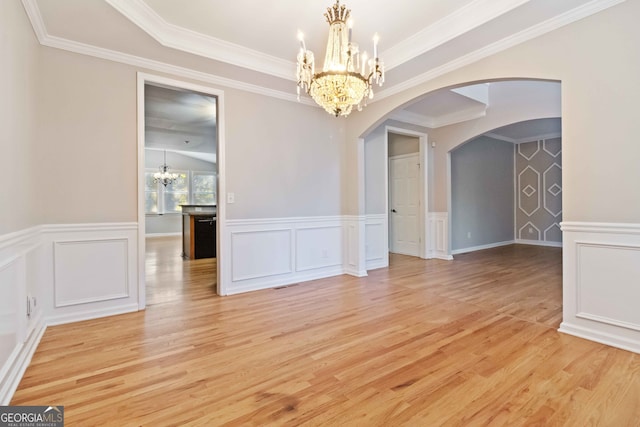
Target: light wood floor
[
  {"x": 170, "y": 278},
  {"x": 422, "y": 343}
]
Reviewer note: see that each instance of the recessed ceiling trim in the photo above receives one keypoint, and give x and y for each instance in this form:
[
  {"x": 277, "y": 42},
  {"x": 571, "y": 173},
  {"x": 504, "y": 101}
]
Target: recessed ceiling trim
[
  {"x": 410, "y": 117},
  {"x": 33, "y": 12},
  {"x": 523, "y": 140},
  {"x": 532, "y": 32},
  {"x": 173, "y": 36},
  {"x": 461, "y": 21},
  {"x": 460, "y": 116}
]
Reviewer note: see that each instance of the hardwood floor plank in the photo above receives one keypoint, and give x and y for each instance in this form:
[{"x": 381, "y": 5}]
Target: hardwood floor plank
[{"x": 425, "y": 342}]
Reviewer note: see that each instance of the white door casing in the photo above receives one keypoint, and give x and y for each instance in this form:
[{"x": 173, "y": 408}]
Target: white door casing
[{"x": 404, "y": 204}]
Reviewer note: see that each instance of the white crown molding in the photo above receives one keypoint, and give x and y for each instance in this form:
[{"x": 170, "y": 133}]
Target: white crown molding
[
  {"x": 410, "y": 117},
  {"x": 33, "y": 12},
  {"x": 523, "y": 140},
  {"x": 463, "y": 20},
  {"x": 549, "y": 25},
  {"x": 499, "y": 137},
  {"x": 173, "y": 36},
  {"x": 460, "y": 116},
  {"x": 149, "y": 64}
]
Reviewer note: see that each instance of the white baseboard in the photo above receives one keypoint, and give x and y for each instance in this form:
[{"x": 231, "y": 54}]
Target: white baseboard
[
  {"x": 90, "y": 314},
  {"x": 538, "y": 243},
  {"x": 482, "y": 247},
  {"x": 377, "y": 263},
  {"x": 356, "y": 273},
  {"x": 15, "y": 367},
  {"x": 275, "y": 282},
  {"x": 600, "y": 336}
]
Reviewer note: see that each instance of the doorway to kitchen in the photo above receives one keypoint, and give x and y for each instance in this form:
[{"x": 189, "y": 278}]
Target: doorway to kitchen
[{"x": 179, "y": 183}]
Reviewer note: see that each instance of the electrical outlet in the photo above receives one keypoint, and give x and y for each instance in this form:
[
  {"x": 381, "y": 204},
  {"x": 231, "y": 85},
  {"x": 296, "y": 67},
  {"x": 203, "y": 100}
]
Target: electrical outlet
[
  {"x": 231, "y": 198},
  {"x": 468, "y": 234},
  {"x": 530, "y": 230},
  {"x": 325, "y": 253}
]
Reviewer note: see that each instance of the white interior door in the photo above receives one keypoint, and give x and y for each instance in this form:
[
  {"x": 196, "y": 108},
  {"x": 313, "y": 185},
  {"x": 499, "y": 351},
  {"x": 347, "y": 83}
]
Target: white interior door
[{"x": 404, "y": 204}]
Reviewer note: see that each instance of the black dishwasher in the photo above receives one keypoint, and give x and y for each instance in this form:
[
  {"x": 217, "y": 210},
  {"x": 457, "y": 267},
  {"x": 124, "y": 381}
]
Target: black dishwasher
[{"x": 205, "y": 236}]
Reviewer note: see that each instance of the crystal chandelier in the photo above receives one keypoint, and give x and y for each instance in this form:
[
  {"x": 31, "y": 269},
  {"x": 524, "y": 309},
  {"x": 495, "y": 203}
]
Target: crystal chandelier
[
  {"x": 164, "y": 176},
  {"x": 347, "y": 77}
]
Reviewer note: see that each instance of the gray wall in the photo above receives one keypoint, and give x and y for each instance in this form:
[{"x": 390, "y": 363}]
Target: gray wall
[
  {"x": 539, "y": 196},
  {"x": 481, "y": 193}
]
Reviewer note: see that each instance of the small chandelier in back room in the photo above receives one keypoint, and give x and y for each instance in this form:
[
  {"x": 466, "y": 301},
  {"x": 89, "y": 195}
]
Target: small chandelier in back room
[
  {"x": 347, "y": 77},
  {"x": 164, "y": 176}
]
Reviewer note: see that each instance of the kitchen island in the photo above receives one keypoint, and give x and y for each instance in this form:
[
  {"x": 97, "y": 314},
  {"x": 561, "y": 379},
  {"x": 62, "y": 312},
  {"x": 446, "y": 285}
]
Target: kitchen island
[{"x": 199, "y": 231}]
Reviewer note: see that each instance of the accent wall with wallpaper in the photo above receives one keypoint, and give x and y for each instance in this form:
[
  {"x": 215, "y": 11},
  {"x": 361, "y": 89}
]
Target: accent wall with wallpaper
[
  {"x": 504, "y": 192},
  {"x": 539, "y": 191}
]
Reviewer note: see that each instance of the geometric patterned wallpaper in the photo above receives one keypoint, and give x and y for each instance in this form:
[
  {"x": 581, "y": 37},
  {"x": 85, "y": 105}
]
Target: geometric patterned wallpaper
[{"x": 538, "y": 171}]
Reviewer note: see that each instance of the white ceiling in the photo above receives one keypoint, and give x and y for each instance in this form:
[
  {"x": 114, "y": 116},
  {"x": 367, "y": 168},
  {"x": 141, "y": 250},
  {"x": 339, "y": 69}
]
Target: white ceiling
[
  {"x": 251, "y": 45},
  {"x": 180, "y": 121},
  {"x": 255, "y": 41}
]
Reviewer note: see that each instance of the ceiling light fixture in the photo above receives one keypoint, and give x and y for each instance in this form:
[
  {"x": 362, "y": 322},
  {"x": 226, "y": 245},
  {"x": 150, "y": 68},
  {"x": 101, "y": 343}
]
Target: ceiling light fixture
[
  {"x": 164, "y": 176},
  {"x": 347, "y": 77}
]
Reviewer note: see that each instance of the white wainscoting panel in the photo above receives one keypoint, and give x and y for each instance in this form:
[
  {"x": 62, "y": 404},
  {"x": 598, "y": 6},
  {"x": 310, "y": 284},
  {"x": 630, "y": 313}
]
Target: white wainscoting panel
[
  {"x": 355, "y": 263},
  {"x": 376, "y": 235},
  {"x": 10, "y": 282},
  {"x": 601, "y": 283},
  {"x": 20, "y": 329},
  {"x": 439, "y": 230},
  {"x": 87, "y": 271},
  {"x": 92, "y": 271},
  {"x": 316, "y": 247},
  {"x": 617, "y": 266},
  {"x": 268, "y": 253},
  {"x": 261, "y": 253}
]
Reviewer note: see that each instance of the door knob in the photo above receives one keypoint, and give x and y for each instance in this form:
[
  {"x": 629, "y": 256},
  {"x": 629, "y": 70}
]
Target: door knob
[{"x": 393, "y": 210}]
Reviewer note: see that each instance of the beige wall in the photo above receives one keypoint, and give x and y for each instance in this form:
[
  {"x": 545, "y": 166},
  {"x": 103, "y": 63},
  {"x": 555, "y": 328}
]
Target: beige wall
[
  {"x": 598, "y": 63},
  {"x": 403, "y": 144},
  {"x": 535, "y": 100},
  {"x": 283, "y": 159},
  {"x": 87, "y": 139},
  {"x": 290, "y": 159},
  {"x": 18, "y": 97}
]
